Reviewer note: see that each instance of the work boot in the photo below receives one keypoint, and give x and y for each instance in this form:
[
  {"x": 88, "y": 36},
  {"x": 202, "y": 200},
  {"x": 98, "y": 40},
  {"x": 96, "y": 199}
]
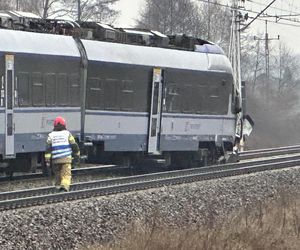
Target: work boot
[{"x": 63, "y": 189}]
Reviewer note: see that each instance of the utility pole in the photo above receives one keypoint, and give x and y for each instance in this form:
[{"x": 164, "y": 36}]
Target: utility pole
[
  {"x": 235, "y": 48},
  {"x": 267, "y": 51},
  {"x": 17, "y": 5},
  {"x": 235, "y": 59},
  {"x": 267, "y": 57}
]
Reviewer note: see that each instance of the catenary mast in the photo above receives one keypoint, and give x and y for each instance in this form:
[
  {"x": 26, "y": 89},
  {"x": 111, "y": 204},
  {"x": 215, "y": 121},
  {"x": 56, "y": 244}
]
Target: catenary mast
[{"x": 234, "y": 56}]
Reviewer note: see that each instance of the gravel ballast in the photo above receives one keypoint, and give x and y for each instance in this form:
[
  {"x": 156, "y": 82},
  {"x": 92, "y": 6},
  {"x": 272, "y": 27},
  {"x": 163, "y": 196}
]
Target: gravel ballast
[{"x": 71, "y": 225}]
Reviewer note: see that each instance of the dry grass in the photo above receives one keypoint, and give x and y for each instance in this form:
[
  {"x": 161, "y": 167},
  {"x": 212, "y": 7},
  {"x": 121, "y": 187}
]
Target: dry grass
[{"x": 271, "y": 226}]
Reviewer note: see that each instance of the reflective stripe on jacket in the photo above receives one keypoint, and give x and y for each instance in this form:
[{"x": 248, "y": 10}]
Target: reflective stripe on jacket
[{"x": 61, "y": 151}]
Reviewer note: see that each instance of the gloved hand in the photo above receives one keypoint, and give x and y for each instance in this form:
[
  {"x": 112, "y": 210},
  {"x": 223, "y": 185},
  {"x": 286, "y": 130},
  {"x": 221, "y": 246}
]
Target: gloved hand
[
  {"x": 76, "y": 161},
  {"x": 48, "y": 168},
  {"x": 48, "y": 164}
]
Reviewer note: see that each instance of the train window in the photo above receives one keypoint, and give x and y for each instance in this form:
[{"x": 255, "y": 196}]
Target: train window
[
  {"x": 202, "y": 93},
  {"x": 142, "y": 92},
  {"x": 155, "y": 98},
  {"x": 127, "y": 98},
  {"x": 201, "y": 99},
  {"x": 9, "y": 75},
  {"x": 50, "y": 84},
  {"x": 196, "y": 96},
  {"x": 216, "y": 99},
  {"x": 111, "y": 94},
  {"x": 173, "y": 98},
  {"x": 189, "y": 94},
  {"x": 74, "y": 89},
  {"x": 62, "y": 90},
  {"x": 9, "y": 124},
  {"x": 23, "y": 89},
  {"x": 95, "y": 93},
  {"x": 38, "y": 97},
  {"x": 153, "y": 127}
]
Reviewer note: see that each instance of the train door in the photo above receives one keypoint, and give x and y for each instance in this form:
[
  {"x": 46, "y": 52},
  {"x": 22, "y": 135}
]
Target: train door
[
  {"x": 155, "y": 112},
  {"x": 9, "y": 105}
]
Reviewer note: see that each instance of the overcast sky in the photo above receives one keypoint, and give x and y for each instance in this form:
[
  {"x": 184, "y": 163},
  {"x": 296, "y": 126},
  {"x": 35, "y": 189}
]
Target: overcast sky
[
  {"x": 288, "y": 34},
  {"x": 129, "y": 11}
]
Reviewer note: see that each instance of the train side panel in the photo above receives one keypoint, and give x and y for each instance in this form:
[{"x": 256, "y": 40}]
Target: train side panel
[
  {"x": 46, "y": 84},
  {"x": 196, "y": 100},
  {"x": 198, "y": 108},
  {"x": 117, "y": 105}
]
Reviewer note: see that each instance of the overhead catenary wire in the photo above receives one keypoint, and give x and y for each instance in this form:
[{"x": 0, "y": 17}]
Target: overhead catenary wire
[
  {"x": 273, "y": 7},
  {"x": 263, "y": 17},
  {"x": 276, "y": 22},
  {"x": 260, "y": 13}
]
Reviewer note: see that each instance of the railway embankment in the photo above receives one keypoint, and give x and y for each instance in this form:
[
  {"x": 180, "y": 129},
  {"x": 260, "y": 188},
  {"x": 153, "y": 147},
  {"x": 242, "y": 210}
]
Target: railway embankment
[{"x": 72, "y": 225}]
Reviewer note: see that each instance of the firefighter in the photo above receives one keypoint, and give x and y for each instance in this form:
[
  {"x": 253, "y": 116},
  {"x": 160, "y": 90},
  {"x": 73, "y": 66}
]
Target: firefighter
[{"x": 61, "y": 145}]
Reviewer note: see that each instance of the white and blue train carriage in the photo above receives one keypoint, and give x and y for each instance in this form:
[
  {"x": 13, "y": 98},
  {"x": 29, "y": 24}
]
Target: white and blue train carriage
[
  {"x": 39, "y": 81},
  {"x": 127, "y": 101},
  {"x": 156, "y": 100}
]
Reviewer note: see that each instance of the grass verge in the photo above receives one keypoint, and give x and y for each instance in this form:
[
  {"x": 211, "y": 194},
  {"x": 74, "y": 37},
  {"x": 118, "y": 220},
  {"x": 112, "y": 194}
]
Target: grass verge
[{"x": 274, "y": 225}]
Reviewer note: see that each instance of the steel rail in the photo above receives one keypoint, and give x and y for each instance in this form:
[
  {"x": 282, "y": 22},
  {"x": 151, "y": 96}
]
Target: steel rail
[
  {"x": 251, "y": 154},
  {"x": 126, "y": 184},
  {"x": 270, "y": 149},
  {"x": 21, "y": 177},
  {"x": 75, "y": 171}
]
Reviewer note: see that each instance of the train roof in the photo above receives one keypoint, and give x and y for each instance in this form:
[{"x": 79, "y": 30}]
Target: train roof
[
  {"x": 26, "y": 21},
  {"x": 37, "y": 43},
  {"x": 205, "y": 57},
  {"x": 156, "y": 57},
  {"x": 22, "y": 14}
]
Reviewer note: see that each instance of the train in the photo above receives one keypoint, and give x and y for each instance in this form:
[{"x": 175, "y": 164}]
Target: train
[{"x": 124, "y": 102}]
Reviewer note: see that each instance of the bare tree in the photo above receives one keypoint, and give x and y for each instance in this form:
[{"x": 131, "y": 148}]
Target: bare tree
[
  {"x": 284, "y": 66},
  {"x": 94, "y": 10},
  {"x": 188, "y": 17},
  {"x": 276, "y": 117},
  {"x": 27, "y": 5},
  {"x": 82, "y": 10},
  {"x": 48, "y": 7},
  {"x": 287, "y": 65},
  {"x": 40, "y": 7},
  {"x": 170, "y": 16},
  {"x": 217, "y": 22},
  {"x": 5, "y": 5},
  {"x": 252, "y": 55}
]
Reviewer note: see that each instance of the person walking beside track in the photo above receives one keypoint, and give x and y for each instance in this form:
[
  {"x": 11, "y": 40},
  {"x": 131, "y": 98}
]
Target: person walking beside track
[{"x": 60, "y": 147}]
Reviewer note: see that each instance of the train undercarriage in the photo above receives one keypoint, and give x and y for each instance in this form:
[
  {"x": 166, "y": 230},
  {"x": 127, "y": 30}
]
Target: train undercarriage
[{"x": 208, "y": 154}]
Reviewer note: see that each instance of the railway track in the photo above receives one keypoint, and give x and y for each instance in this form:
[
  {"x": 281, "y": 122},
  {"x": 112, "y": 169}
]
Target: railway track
[
  {"x": 48, "y": 195},
  {"x": 259, "y": 153},
  {"x": 75, "y": 172},
  {"x": 250, "y": 154}
]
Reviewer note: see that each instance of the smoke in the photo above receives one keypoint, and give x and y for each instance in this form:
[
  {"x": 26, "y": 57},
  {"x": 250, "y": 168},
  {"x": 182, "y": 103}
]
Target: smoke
[{"x": 276, "y": 116}]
